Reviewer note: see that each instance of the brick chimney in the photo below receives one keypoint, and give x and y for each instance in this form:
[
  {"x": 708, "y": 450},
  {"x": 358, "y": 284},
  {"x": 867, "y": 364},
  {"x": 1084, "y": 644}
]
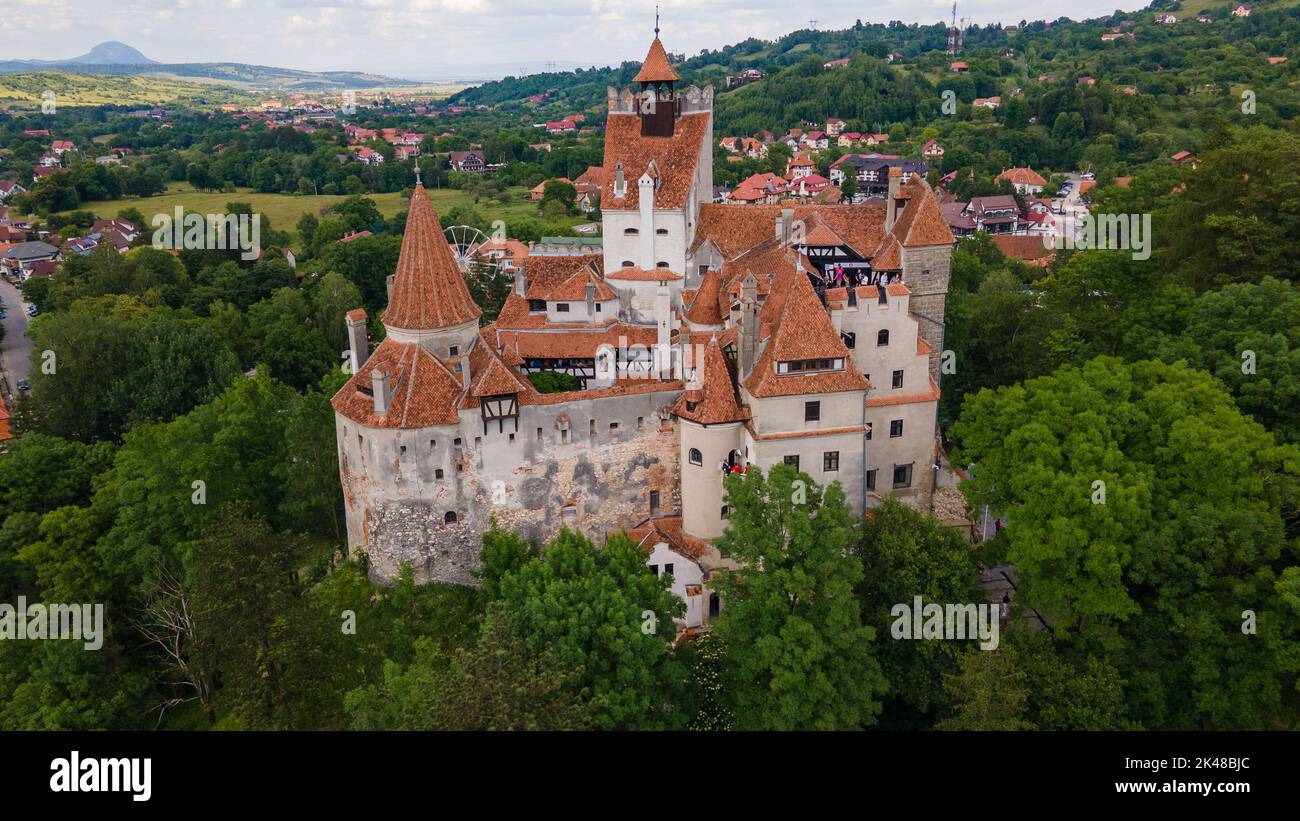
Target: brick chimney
[{"x": 891, "y": 202}]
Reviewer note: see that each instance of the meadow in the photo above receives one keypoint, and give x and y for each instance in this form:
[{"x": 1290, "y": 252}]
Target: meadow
[{"x": 284, "y": 210}]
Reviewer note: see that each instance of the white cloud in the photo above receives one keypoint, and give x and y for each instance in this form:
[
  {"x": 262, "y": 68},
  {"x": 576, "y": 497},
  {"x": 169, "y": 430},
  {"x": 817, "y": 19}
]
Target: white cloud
[{"x": 429, "y": 39}]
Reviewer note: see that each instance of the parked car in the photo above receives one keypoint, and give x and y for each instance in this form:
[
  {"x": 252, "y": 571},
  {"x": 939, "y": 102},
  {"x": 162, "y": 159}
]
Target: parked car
[
  {"x": 23, "y": 386},
  {"x": 1089, "y": 176},
  {"x": 32, "y": 310}
]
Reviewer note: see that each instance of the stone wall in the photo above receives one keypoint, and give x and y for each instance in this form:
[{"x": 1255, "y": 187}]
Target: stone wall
[{"x": 426, "y": 496}]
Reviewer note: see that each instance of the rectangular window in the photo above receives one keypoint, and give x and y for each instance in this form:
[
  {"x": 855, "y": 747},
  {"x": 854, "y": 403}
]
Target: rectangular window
[
  {"x": 668, "y": 569},
  {"x": 831, "y": 460},
  {"x": 895, "y": 428},
  {"x": 812, "y": 411},
  {"x": 871, "y": 480},
  {"x": 654, "y": 501},
  {"x": 868, "y": 434},
  {"x": 898, "y": 379},
  {"x": 654, "y": 568},
  {"x": 562, "y": 307},
  {"x": 903, "y": 475},
  {"x": 792, "y": 461}
]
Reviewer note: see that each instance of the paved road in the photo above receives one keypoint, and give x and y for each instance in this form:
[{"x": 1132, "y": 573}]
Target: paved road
[{"x": 16, "y": 349}]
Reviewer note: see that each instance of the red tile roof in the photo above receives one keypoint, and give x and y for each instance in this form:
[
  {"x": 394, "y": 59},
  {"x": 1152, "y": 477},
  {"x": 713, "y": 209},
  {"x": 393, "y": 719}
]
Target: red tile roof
[
  {"x": 804, "y": 331},
  {"x": 424, "y": 392},
  {"x": 714, "y": 401},
  {"x": 657, "y": 68},
  {"x": 644, "y": 274},
  {"x": 705, "y": 308},
  {"x": 429, "y": 291},
  {"x": 675, "y": 159}
]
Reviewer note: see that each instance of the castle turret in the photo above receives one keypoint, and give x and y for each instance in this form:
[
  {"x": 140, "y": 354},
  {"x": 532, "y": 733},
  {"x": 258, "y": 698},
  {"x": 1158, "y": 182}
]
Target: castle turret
[
  {"x": 712, "y": 440},
  {"x": 657, "y": 80},
  {"x": 429, "y": 302}
]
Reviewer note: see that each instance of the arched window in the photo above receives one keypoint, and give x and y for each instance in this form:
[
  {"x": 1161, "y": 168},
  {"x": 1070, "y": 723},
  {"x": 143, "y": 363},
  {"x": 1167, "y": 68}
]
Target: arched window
[
  {"x": 631, "y": 231},
  {"x": 882, "y": 338},
  {"x": 449, "y": 517},
  {"x": 627, "y": 263},
  {"x": 696, "y": 457},
  {"x": 661, "y": 264}
]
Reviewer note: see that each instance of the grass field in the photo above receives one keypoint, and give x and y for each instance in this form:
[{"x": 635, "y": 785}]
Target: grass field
[
  {"x": 283, "y": 210},
  {"x": 26, "y": 90}
]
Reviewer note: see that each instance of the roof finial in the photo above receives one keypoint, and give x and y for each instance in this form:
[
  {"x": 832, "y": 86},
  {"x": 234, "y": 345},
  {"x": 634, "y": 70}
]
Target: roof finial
[
  {"x": 656, "y": 19},
  {"x": 417, "y": 173}
]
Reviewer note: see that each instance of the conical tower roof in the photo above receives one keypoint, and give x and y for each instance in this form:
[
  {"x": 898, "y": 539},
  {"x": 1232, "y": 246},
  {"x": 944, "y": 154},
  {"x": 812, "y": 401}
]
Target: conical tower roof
[
  {"x": 429, "y": 291},
  {"x": 657, "y": 68}
]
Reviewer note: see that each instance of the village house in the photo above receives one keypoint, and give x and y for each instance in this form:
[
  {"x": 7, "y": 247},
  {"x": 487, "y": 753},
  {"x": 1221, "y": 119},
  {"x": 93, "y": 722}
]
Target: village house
[
  {"x": 470, "y": 162},
  {"x": 1026, "y": 180},
  {"x": 872, "y": 171}
]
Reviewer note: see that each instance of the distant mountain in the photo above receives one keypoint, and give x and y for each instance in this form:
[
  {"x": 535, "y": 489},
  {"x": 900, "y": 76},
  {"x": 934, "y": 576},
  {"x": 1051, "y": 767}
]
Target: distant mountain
[
  {"x": 120, "y": 59},
  {"x": 112, "y": 53}
]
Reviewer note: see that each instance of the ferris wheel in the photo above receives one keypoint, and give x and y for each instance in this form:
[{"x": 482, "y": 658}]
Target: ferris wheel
[{"x": 474, "y": 251}]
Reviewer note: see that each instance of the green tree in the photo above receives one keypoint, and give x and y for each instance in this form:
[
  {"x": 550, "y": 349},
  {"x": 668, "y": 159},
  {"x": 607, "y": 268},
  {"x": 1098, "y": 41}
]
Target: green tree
[
  {"x": 798, "y": 653},
  {"x": 603, "y": 613}
]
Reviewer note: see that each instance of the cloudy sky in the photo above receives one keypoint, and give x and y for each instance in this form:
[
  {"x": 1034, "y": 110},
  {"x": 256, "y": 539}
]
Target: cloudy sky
[{"x": 437, "y": 39}]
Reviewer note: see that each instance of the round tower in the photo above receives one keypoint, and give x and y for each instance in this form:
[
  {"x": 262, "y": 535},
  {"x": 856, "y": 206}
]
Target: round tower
[
  {"x": 711, "y": 438},
  {"x": 429, "y": 303}
]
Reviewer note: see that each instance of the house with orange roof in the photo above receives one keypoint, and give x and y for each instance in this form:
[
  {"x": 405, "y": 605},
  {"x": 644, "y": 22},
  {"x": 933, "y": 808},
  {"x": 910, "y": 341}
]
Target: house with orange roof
[{"x": 1025, "y": 180}]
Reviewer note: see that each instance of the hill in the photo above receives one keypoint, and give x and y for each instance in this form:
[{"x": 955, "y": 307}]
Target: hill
[
  {"x": 112, "y": 53},
  {"x": 114, "y": 58},
  {"x": 76, "y": 89}
]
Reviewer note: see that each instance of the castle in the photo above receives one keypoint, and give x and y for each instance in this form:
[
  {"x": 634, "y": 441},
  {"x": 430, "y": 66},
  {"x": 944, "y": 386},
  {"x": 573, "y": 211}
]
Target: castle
[{"x": 704, "y": 337}]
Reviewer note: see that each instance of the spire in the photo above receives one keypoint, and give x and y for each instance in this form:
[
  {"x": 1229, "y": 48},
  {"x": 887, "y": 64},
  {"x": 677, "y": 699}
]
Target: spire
[
  {"x": 429, "y": 291},
  {"x": 657, "y": 68}
]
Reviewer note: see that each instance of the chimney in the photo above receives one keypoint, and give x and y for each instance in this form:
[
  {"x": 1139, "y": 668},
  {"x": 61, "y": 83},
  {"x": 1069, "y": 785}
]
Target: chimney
[
  {"x": 663, "y": 339},
  {"x": 748, "y": 324},
  {"x": 620, "y": 184},
  {"x": 779, "y": 233},
  {"x": 891, "y": 202},
  {"x": 391, "y": 278},
  {"x": 591, "y": 300},
  {"x": 357, "y": 342},
  {"x": 787, "y": 225},
  {"x": 379, "y": 386},
  {"x": 521, "y": 283}
]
